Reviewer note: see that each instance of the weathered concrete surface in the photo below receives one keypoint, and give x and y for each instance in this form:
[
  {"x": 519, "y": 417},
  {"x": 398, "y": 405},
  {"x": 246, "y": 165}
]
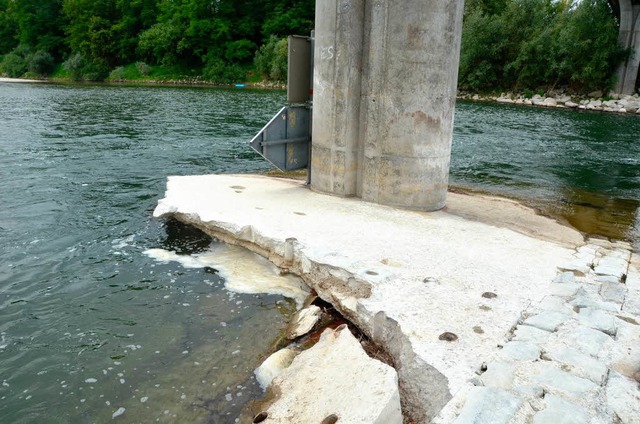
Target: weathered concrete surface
[
  {"x": 587, "y": 368},
  {"x": 337, "y": 85},
  {"x": 384, "y": 96},
  {"x": 335, "y": 377},
  {"x": 405, "y": 278}
]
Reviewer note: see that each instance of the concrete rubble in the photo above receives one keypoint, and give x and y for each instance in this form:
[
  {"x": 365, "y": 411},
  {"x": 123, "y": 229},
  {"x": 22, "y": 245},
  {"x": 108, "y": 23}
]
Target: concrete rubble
[
  {"x": 339, "y": 380},
  {"x": 628, "y": 104},
  {"x": 490, "y": 312}
]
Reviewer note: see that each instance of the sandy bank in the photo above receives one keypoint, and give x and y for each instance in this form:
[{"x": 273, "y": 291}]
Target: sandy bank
[{"x": 21, "y": 80}]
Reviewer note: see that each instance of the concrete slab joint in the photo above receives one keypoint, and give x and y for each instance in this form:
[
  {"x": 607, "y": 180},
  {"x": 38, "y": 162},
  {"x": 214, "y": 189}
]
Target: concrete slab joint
[{"x": 384, "y": 95}]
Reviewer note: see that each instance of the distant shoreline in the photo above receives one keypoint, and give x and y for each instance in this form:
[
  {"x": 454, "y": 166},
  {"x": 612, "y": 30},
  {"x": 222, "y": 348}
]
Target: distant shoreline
[
  {"x": 22, "y": 80},
  {"x": 618, "y": 104}
]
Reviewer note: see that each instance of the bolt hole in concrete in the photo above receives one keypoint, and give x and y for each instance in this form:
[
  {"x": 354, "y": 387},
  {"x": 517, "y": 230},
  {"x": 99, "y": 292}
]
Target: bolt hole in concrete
[
  {"x": 448, "y": 337},
  {"x": 371, "y": 273},
  {"x": 331, "y": 419},
  {"x": 489, "y": 295},
  {"x": 300, "y": 213},
  {"x": 260, "y": 417}
]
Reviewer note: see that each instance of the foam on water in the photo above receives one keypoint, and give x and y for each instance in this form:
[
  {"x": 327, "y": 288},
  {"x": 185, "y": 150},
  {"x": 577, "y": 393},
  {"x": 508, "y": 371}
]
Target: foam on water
[{"x": 242, "y": 270}]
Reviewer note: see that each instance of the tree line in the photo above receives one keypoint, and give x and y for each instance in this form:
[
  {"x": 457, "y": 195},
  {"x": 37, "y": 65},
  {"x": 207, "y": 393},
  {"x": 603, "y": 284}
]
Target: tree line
[
  {"x": 217, "y": 39},
  {"x": 506, "y": 44},
  {"x": 530, "y": 44}
]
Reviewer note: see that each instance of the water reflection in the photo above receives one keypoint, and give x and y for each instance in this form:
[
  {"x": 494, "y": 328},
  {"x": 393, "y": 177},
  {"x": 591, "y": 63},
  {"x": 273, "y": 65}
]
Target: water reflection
[{"x": 581, "y": 166}]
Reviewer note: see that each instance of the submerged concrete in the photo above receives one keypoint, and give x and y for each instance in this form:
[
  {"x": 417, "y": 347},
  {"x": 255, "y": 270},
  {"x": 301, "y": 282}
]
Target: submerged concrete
[{"x": 442, "y": 292}]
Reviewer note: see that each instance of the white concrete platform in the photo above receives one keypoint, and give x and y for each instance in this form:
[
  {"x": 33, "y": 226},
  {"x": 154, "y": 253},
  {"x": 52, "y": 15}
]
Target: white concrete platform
[{"x": 441, "y": 291}]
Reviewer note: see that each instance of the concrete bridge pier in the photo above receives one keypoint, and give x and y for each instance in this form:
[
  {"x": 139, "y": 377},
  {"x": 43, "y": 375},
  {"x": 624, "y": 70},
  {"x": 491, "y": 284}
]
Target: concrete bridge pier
[
  {"x": 336, "y": 93},
  {"x": 629, "y": 38},
  {"x": 384, "y": 97}
]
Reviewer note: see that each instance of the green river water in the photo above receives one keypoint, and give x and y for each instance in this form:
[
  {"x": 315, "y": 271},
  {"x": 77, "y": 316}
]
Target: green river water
[{"x": 90, "y": 324}]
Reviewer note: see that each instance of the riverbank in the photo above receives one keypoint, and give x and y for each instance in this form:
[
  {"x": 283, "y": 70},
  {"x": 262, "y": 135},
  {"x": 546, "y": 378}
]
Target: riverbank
[
  {"x": 626, "y": 104},
  {"x": 477, "y": 310},
  {"x": 613, "y": 103}
]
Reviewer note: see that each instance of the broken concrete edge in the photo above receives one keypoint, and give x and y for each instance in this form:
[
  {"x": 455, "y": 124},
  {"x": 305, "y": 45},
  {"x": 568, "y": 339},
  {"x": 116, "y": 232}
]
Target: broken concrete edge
[{"x": 341, "y": 289}]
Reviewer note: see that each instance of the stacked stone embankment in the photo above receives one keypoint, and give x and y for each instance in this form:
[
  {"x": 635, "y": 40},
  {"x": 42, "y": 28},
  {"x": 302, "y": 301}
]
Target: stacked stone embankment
[
  {"x": 628, "y": 104},
  {"x": 574, "y": 357}
]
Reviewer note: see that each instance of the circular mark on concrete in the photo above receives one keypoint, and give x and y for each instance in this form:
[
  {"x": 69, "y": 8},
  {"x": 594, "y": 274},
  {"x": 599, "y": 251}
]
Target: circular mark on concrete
[
  {"x": 260, "y": 417},
  {"x": 236, "y": 187},
  {"x": 371, "y": 273},
  {"x": 331, "y": 419},
  {"x": 448, "y": 337},
  {"x": 489, "y": 295},
  {"x": 478, "y": 330},
  {"x": 300, "y": 213}
]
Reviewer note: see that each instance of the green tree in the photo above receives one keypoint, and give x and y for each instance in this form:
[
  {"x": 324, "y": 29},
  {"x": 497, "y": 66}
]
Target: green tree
[
  {"x": 539, "y": 43},
  {"x": 289, "y": 17},
  {"x": 8, "y": 27},
  {"x": 271, "y": 59}
]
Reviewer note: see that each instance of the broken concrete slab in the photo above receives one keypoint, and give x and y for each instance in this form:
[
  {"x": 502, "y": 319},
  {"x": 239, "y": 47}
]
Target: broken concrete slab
[
  {"x": 342, "y": 248},
  {"x": 335, "y": 377},
  {"x": 303, "y": 321}
]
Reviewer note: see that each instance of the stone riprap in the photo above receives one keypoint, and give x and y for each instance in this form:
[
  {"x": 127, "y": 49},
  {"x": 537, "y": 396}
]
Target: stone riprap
[
  {"x": 615, "y": 103},
  {"x": 443, "y": 292},
  {"x": 574, "y": 357}
]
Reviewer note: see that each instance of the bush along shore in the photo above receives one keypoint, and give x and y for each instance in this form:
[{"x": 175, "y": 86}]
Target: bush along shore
[{"x": 595, "y": 101}]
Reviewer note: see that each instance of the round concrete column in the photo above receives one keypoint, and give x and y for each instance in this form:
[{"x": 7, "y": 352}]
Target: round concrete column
[
  {"x": 411, "y": 56},
  {"x": 336, "y": 100}
]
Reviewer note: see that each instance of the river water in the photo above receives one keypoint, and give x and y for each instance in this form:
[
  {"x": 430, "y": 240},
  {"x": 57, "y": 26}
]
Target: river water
[
  {"x": 90, "y": 323},
  {"x": 583, "y": 167}
]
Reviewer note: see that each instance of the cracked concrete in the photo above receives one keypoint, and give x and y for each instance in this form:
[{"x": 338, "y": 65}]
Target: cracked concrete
[{"x": 442, "y": 292}]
